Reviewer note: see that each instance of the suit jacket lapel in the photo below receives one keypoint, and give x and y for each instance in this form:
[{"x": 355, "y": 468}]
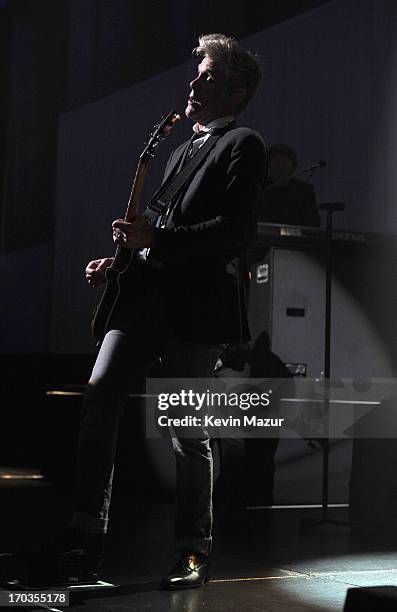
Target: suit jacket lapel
[
  {"x": 179, "y": 156},
  {"x": 173, "y": 166},
  {"x": 177, "y": 160}
]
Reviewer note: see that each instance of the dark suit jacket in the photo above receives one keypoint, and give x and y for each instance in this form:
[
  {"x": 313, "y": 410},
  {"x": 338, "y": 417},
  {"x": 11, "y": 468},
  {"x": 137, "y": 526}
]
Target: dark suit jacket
[{"x": 204, "y": 246}]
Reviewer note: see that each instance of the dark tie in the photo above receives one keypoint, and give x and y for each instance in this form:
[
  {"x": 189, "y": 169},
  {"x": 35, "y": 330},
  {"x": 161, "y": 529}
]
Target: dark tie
[{"x": 192, "y": 148}]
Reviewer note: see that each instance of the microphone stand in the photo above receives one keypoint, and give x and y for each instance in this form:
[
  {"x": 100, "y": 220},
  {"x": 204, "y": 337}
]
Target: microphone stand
[
  {"x": 311, "y": 169},
  {"x": 330, "y": 208}
]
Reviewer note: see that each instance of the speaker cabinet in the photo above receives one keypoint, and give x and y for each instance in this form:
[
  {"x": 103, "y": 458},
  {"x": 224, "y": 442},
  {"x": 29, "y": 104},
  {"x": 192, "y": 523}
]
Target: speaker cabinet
[{"x": 287, "y": 303}]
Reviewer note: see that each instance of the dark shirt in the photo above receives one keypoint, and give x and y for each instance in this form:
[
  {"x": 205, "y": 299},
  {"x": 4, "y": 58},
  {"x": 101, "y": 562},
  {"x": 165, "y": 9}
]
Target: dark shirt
[{"x": 292, "y": 204}]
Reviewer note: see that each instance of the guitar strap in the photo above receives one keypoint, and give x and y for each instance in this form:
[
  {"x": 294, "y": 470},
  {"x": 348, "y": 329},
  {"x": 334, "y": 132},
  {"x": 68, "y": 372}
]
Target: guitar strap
[{"x": 170, "y": 189}]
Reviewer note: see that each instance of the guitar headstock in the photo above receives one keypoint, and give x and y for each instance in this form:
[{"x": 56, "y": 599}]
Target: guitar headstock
[{"x": 159, "y": 133}]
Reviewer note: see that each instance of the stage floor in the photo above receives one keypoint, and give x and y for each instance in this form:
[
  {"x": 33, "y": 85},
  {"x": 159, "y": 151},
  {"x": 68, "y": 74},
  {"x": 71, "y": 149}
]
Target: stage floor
[{"x": 262, "y": 560}]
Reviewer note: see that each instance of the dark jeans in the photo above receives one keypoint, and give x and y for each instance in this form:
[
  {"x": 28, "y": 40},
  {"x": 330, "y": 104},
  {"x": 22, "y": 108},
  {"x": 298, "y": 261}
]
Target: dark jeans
[{"x": 137, "y": 339}]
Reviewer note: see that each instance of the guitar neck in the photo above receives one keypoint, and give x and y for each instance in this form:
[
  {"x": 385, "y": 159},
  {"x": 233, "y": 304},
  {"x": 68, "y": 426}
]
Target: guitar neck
[
  {"x": 136, "y": 190},
  {"x": 160, "y": 132}
]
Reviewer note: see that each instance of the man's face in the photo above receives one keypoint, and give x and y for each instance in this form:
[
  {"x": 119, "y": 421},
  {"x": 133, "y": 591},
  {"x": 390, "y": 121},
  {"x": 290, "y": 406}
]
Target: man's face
[
  {"x": 281, "y": 167},
  {"x": 209, "y": 96}
]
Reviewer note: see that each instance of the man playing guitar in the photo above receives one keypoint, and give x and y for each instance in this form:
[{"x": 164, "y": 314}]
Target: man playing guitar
[{"x": 182, "y": 299}]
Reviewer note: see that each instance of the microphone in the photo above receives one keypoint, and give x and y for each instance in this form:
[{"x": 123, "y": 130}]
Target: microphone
[
  {"x": 331, "y": 207},
  {"x": 320, "y": 164}
]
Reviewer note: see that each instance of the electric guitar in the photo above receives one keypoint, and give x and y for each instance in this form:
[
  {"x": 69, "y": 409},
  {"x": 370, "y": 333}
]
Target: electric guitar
[{"x": 123, "y": 256}]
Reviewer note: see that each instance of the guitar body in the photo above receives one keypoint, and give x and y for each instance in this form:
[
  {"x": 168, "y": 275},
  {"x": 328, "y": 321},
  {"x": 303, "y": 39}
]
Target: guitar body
[
  {"x": 106, "y": 305},
  {"x": 123, "y": 257}
]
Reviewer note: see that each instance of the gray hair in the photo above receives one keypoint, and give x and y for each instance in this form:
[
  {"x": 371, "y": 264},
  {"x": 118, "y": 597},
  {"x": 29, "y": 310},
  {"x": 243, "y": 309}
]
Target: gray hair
[{"x": 242, "y": 67}]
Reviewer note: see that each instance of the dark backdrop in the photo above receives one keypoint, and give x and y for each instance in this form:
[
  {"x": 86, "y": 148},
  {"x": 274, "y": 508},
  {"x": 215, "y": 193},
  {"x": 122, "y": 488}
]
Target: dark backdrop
[{"x": 57, "y": 55}]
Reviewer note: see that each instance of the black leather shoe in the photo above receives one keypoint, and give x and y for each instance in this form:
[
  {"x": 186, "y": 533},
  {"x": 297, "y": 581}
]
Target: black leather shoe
[
  {"x": 191, "y": 571},
  {"x": 9, "y": 567},
  {"x": 69, "y": 557}
]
